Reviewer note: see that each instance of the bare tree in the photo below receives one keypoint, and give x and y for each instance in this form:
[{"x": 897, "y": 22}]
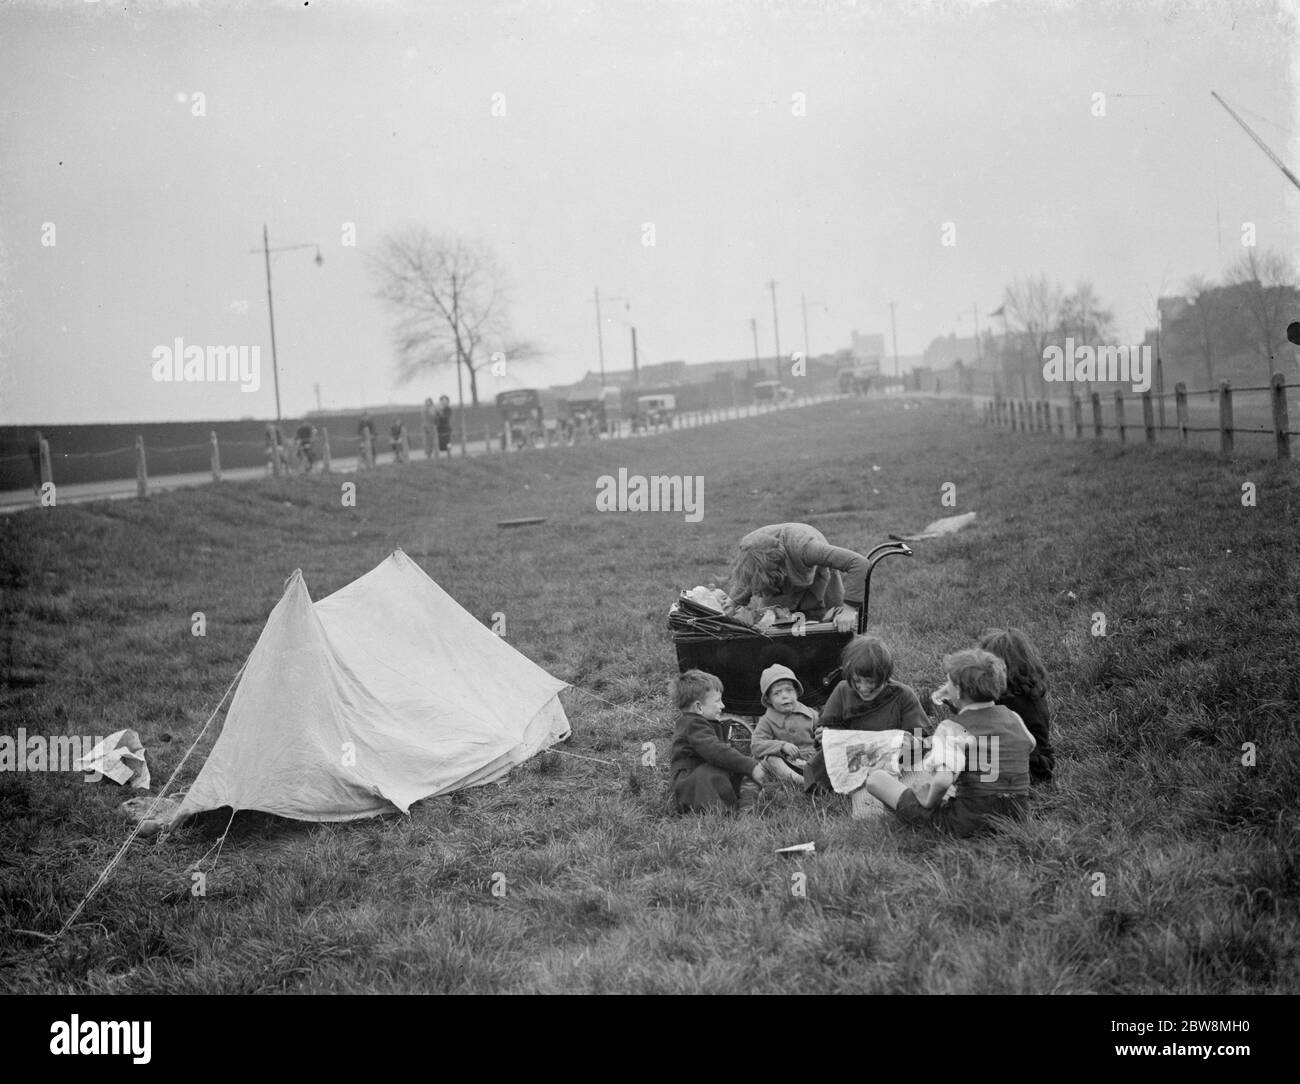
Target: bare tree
[
  {"x": 1206, "y": 315},
  {"x": 449, "y": 298},
  {"x": 1266, "y": 289},
  {"x": 1033, "y": 310},
  {"x": 1083, "y": 318}
]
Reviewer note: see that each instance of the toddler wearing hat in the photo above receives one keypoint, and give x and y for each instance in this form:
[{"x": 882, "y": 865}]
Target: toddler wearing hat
[{"x": 783, "y": 738}]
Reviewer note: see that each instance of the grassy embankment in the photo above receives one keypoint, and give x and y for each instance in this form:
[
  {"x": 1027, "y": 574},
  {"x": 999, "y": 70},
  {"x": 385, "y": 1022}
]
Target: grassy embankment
[{"x": 606, "y": 891}]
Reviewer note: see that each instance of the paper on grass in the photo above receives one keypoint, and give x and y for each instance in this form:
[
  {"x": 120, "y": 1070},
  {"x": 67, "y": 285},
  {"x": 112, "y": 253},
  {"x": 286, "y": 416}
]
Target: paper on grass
[{"x": 119, "y": 757}]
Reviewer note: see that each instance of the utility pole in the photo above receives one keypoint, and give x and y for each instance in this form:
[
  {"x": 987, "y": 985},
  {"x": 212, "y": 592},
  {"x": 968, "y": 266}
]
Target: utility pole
[
  {"x": 600, "y": 339},
  {"x": 803, "y": 302},
  {"x": 270, "y": 309},
  {"x": 266, "y": 251},
  {"x": 753, "y": 326},
  {"x": 893, "y": 328},
  {"x": 776, "y": 327},
  {"x": 636, "y": 369},
  {"x": 600, "y": 335},
  {"x": 317, "y": 387},
  {"x": 979, "y": 350}
]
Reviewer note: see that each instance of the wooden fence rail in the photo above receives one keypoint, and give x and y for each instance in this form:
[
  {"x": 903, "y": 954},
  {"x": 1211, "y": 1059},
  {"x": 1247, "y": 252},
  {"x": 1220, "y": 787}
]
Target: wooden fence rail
[{"x": 1023, "y": 414}]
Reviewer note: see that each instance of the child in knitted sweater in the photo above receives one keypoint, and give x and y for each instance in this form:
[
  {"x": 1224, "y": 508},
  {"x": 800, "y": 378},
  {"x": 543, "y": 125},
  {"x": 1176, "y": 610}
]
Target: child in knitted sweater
[{"x": 986, "y": 752}]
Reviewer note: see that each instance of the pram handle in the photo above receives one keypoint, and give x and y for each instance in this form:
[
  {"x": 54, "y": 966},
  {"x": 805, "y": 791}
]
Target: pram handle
[{"x": 885, "y": 549}]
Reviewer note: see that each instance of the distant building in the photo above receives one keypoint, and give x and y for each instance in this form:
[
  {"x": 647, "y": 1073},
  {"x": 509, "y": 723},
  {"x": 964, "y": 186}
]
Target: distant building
[
  {"x": 1219, "y": 336},
  {"x": 945, "y": 351},
  {"x": 867, "y": 348}
]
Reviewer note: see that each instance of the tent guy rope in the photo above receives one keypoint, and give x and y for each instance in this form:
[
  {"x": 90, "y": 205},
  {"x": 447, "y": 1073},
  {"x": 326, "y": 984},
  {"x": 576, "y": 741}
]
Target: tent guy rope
[{"x": 102, "y": 879}]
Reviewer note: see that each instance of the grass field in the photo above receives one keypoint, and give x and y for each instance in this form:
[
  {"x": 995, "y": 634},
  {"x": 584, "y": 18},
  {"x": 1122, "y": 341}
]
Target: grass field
[{"x": 606, "y": 889}]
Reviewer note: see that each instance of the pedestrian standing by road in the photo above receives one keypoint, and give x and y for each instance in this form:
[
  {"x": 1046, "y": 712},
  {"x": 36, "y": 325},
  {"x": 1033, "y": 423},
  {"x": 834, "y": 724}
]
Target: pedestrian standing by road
[
  {"x": 275, "y": 449},
  {"x": 396, "y": 439},
  {"x": 366, "y": 433},
  {"x": 429, "y": 424},
  {"x": 442, "y": 420},
  {"x": 303, "y": 439}
]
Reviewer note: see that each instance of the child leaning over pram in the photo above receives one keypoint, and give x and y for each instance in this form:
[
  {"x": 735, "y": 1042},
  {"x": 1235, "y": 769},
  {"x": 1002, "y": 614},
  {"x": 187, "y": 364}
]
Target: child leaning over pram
[{"x": 783, "y": 738}]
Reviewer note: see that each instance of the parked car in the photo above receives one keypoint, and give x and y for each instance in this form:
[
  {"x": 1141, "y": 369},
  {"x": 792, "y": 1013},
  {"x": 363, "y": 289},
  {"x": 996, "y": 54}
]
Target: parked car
[
  {"x": 772, "y": 391},
  {"x": 654, "y": 411},
  {"x": 521, "y": 415}
]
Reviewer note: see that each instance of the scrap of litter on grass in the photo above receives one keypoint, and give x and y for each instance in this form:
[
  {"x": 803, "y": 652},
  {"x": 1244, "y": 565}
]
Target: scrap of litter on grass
[
  {"x": 119, "y": 757},
  {"x": 939, "y": 528},
  {"x": 526, "y": 521},
  {"x": 798, "y": 848}
]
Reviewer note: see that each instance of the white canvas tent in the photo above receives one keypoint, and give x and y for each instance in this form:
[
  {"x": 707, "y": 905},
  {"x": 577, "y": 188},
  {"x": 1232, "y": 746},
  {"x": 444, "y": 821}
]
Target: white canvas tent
[{"x": 383, "y": 693}]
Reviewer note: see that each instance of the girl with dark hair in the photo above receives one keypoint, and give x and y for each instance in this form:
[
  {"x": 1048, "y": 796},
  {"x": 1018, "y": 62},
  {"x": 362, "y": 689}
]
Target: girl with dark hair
[
  {"x": 1026, "y": 693},
  {"x": 867, "y": 698}
]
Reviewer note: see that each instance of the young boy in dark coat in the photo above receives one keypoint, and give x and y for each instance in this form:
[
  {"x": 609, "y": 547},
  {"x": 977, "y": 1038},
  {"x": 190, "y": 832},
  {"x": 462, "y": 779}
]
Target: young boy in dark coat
[
  {"x": 867, "y": 698},
  {"x": 706, "y": 771}
]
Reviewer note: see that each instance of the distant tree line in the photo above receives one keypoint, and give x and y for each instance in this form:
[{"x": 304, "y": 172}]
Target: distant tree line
[{"x": 1204, "y": 335}]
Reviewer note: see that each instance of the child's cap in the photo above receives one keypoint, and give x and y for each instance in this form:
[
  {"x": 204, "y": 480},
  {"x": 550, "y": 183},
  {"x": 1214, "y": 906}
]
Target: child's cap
[{"x": 774, "y": 673}]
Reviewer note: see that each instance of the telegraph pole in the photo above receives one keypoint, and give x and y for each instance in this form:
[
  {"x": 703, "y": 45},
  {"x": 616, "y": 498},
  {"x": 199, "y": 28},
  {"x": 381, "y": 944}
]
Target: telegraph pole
[
  {"x": 600, "y": 335},
  {"x": 600, "y": 339},
  {"x": 776, "y": 327},
  {"x": 753, "y": 326},
  {"x": 270, "y": 308},
  {"x": 893, "y": 328},
  {"x": 803, "y": 302},
  {"x": 979, "y": 350},
  {"x": 266, "y": 251}
]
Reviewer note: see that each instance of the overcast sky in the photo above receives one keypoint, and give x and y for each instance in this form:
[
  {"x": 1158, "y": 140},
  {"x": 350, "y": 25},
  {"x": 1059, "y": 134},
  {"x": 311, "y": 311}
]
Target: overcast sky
[{"x": 684, "y": 115}]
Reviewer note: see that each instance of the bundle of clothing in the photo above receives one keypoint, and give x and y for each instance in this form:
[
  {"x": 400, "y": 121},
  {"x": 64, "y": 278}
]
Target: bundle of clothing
[{"x": 712, "y": 602}]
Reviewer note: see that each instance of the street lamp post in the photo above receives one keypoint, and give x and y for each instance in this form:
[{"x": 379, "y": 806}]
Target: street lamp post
[{"x": 266, "y": 251}]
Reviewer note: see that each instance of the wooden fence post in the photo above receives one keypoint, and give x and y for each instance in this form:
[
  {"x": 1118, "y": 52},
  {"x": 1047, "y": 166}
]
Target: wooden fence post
[
  {"x": 1160, "y": 388},
  {"x": 1076, "y": 416},
  {"x": 1180, "y": 410},
  {"x": 141, "y": 472},
  {"x": 325, "y": 450},
  {"x": 216, "y": 456},
  {"x": 1148, "y": 417},
  {"x": 1119, "y": 415},
  {"x": 274, "y": 447},
  {"x": 47, "y": 470},
  {"x": 1280, "y": 424},
  {"x": 1225, "y": 417},
  {"x": 1096, "y": 415},
  {"x": 1060, "y": 419}
]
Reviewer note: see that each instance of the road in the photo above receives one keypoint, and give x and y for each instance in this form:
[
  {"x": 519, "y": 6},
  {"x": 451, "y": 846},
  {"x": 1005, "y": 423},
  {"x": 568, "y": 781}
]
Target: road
[{"x": 125, "y": 488}]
